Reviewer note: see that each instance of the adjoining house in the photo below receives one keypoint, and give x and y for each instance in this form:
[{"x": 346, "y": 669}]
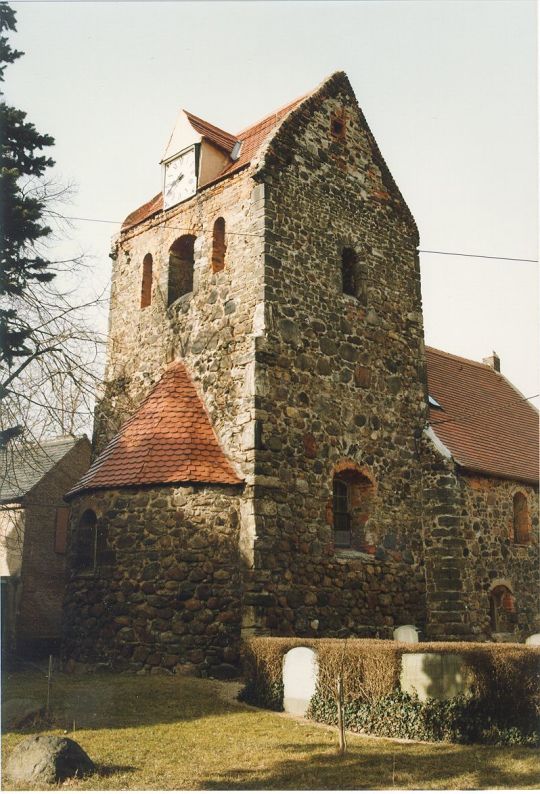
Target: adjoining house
[
  {"x": 289, "y": 458},
  {"x": 33, "y": 538}
]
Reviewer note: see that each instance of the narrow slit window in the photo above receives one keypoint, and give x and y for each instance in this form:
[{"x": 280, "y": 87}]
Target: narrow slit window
[
  {"x": 146, "y": 283},
  {"x": 218, "y": 246},
  {"x": 353, "y": 277},
  {"x": 353, "y": 497},
  {"x": 348, "y": 271},
  {"x": 85, "y": 553},
  {"x": 342, "y": 518},
  {"x": 521, "y": 518}
]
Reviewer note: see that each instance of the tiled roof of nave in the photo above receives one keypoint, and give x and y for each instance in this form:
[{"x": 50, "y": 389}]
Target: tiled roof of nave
[{"x": 485, "y": 422}]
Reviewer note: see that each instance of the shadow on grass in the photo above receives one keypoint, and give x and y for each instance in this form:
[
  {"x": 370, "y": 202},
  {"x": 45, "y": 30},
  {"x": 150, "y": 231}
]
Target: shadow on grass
[
  {"x": 406, "y": 766},
  {"x": 108, "y": 700}
]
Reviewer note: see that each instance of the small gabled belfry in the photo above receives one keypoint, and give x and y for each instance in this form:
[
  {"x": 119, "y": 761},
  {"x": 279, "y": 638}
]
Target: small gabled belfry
[{"x": 268, "y": 451}]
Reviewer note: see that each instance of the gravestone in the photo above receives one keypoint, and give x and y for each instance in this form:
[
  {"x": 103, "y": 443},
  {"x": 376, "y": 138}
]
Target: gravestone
[
  {"x": 406, "y": 634},
  {"x": 433, "y": 675},
  {"x": 300, "y": 671}
]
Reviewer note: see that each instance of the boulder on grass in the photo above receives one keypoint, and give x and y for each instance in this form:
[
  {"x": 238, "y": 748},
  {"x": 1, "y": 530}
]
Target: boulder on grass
[{"x": 47, "y": 759}]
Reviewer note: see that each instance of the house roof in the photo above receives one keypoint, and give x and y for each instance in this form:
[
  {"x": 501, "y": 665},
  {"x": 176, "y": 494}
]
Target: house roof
[
  {"x": 252, "y": 139},
  {"x": 21, "y": 470},
  {"x": 484, "y": 421},
  {"x": 169, "y": 439}
]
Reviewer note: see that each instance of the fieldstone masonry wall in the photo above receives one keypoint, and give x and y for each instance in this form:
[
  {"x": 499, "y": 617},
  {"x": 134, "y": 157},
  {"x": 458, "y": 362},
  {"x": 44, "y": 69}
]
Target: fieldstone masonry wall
[
  {"x": 170, "y": 594},
  {"x": 494, "y": 558},
  {"x": 445, "y": 549}
]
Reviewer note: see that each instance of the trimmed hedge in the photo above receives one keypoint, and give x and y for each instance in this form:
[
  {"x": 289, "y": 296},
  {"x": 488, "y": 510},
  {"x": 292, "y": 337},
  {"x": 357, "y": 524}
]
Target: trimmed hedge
[{"x": 502, "y": 705}]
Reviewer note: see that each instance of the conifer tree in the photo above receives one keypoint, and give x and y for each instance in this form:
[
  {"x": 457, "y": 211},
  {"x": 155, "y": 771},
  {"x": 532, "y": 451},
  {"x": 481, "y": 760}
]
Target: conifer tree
[{"x": 21, "y": 219}]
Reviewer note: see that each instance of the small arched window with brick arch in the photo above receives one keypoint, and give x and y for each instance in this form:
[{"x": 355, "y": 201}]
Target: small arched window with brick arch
[
  {"x": 146, "y": 281},
  {"x": 502, "y": 607},
  {"x": 352, "y": 275},
  {"x": 181, "y": 263},
  {"x": 218, "y": 245},
  {"x": 352, "y": 505},
  {"x": 521, "y": 518}
]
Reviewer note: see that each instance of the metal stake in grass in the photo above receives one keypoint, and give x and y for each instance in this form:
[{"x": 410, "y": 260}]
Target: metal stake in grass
[
  {"x": 49, "y": 677},
  {"x": 340, "y": 720},
  {"x": 340, "y": 716}
]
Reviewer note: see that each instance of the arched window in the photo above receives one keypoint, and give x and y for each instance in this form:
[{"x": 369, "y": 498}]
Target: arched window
[
  {"x": 181, "y": 261},
  {"x": 521, "y": 518},
  {"x": 352, "y": 503},
  {"x": 352, "y": 276},
  {"x": 502, "y": 605},
  {"x": 146, "y": 282},
  {"x": 91, "y": 547},
  {"x": 85, "y": 551},
  {"x": 218, "y": 246}
]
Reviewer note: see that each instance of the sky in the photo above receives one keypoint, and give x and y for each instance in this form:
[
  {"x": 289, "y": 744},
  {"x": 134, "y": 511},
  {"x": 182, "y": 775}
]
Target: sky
[{"x": 448, "y": 89}]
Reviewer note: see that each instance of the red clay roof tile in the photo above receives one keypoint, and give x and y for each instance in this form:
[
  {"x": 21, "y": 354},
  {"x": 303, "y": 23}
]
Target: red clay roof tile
[
  {"x": 168, "y": 440},
  {"x": 214, "y": 134},
  {"x": 252, "y": 138},
  {"x": 485, "y": 422}
]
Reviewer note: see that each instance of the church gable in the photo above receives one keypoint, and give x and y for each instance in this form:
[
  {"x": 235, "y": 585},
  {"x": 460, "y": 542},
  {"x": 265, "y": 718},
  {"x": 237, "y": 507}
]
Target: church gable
[{"x": 330, "y": 125}]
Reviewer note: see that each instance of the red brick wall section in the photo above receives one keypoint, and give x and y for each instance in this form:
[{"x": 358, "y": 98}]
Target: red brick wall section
[{"x": 43, "y": 568}]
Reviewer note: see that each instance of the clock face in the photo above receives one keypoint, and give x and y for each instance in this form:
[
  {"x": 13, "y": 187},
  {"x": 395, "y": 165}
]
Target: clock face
[{"x": 180, "y": 179}]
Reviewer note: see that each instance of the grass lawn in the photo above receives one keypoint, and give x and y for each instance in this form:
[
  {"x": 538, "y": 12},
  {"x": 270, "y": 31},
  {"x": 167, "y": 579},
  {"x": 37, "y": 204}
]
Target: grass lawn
[{"x": 178, "y": 733}]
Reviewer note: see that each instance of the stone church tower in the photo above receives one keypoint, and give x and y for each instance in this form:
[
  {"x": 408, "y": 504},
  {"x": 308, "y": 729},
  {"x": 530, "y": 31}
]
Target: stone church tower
[{"x": 262, "y": 464}]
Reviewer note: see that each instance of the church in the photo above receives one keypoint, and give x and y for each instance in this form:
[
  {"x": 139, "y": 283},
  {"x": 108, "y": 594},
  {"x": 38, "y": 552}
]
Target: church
[{"x": 276, "y": 451}]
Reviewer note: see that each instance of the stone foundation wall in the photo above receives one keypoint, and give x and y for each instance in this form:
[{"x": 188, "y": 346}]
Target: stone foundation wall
[
  {"x": 170, "y": 592},
  {"x": 356, "y": 596}
]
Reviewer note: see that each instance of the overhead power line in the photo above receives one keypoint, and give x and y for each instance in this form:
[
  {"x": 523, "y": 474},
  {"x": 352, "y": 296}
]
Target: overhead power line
[
  {"x": 476, "y": 256},
  {"x": 251, "y": 234}
]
